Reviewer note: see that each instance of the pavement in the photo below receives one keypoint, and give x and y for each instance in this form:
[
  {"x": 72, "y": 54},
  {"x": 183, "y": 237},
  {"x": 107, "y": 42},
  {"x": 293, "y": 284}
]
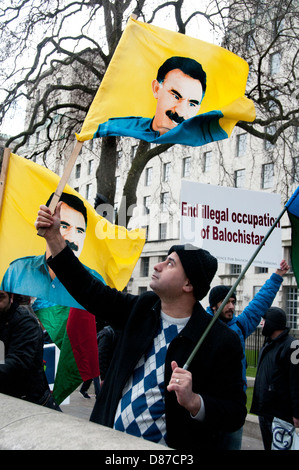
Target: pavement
[{"x": 82, "y": 408}]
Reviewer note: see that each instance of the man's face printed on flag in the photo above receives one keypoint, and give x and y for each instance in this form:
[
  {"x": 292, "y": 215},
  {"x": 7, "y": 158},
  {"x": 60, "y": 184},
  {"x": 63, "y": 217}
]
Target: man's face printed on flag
[
  {"x": 72, "y": 228},
  {"x": 178, "y": 98}
]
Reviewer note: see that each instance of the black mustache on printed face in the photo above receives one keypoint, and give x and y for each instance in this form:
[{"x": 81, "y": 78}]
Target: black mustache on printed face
[
  {"x": 174, "y": 117},
  {"x": 72, "y": 245}
]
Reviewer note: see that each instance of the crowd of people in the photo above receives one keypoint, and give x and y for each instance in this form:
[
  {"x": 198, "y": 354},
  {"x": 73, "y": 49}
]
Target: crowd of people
[{"x": 145, "y": 389}]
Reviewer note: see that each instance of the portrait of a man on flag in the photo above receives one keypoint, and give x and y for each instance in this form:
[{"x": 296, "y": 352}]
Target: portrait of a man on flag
[{"x": 165, "y": 87}]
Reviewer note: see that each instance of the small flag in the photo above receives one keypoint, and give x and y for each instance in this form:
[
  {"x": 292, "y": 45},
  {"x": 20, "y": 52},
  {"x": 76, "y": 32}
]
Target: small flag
[{"x": 293, "y": 212}]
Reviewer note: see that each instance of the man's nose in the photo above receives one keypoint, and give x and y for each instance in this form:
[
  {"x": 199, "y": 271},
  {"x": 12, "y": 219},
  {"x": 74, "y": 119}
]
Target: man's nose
[
  {"x": 182, "y": 108},
  {"x": 158, "y": 266}
]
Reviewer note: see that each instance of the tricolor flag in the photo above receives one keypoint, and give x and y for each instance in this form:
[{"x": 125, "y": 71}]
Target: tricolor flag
[
  {"x": 74, "y": 333},
  {"x": 110, "y": 252},
  {"x": 293, "y": 212},
  {"x": 165, "y": 87}
]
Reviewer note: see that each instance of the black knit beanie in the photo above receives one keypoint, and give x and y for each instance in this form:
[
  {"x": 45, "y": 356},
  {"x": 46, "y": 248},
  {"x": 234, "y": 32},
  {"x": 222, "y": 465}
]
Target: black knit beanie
[
  {"x": 199, "y": 265},
  {"x": 275, "y": 319},
  {"x": 218, "y": 294}
]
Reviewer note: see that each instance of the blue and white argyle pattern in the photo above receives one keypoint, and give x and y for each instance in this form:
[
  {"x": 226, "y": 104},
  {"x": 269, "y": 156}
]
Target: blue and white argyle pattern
[{"x": 141, "y": 410}]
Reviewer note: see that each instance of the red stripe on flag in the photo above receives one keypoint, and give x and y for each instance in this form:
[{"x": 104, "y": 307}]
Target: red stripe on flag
[{"x": 82, "y": 333}]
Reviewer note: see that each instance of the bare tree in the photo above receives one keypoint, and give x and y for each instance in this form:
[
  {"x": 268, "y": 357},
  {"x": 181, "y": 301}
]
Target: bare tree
[{"x": 60, "y": 79}]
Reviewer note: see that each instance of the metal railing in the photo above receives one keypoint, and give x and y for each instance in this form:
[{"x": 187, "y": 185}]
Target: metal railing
[{"x": 253, "y": 344}]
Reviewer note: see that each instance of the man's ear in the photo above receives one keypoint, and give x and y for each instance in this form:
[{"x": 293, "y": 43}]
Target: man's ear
[
  {"x": 188, "y": 286},
  {"x": 155, "y": 88}
]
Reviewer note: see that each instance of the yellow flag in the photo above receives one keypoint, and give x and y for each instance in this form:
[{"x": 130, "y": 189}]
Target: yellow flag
[
  {"x": 129, "y": 100},
  {"x": 110, "y": 251}
]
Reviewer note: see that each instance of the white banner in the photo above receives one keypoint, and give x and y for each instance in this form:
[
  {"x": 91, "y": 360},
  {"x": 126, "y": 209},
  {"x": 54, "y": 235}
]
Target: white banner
[{"x": 231, "y": 223}]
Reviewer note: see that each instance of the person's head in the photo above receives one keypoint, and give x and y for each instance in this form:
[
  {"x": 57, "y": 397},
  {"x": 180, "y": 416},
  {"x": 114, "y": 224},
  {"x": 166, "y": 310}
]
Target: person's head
[
  {"x": 73, "y": 216},
  {"x": 274, "y": 322},
  {"x": 179, "y": 89},
  {"x": 217, "y": 296},
  {"x": 6, "y": 299},
  {"x": 187, "y": 269}
]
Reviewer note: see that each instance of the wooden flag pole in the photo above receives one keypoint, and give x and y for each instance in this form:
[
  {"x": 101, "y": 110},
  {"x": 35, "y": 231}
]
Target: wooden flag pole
[
  {"x": 3, "y": 175},
  {"x": 63, "y": 181}
]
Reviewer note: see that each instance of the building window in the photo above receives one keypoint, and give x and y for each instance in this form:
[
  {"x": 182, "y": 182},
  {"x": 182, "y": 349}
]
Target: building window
[
  {"x": 166, "y": 171},
  {"x": 119, "y": 155},
  {"x": 88, "y": 191},
  {"x": 239, "y": 178},
  {"x": 278, "y": 26},
  {"x": 117, "y": 183},
  {"x": 186, "y": 167},
  {"x": 273, "y": 101},
  {"x": 267, "y": 175},
  {"x": 271, "y": 131},
  {"x": 260, "y": 270},
  {"x": 249, "y": 39},
  {"x": 256, "y": 290},
  {"x": 296, "y": 169},
  {"x": 148, "y": 176},
  {"x": 296, "y": 134},
  {"x": 78, "y": 170},
  {"x": 164, "y": 201},
  {"x": 275, "y": 60},
  {"x": 141, "y": 290},
  {"x": 144, "y": 268},
  {"x": 241, "y": 144},
  {"x": 146, "y": 203},
  {"x": 133, "y": 151},
  {"x": 90, "y": 167},
  {"x": 146, "y": 228},
  {"x": 207, "y": 161},
  {"x": 292, "y": 306},
  {"x": 235, "y": 268},
  {"x": 162, "y": 231}
]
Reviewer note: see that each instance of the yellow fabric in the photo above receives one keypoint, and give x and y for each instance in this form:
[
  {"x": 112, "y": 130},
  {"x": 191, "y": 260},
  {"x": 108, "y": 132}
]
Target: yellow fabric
[
  {"x": 126, "y": 87},
  {"x": 110, "y": 250}
]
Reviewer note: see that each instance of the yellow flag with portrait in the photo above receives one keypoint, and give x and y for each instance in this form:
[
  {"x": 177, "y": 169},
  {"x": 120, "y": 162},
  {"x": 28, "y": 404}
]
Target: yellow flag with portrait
[
  {"x": 125, "y": 104},
  {"x": 109, "y": 250}
]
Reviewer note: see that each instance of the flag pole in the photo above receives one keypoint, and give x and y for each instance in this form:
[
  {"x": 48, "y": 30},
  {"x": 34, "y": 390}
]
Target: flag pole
[
  {"x": 233, "y": 288},
  {"x": 63, "y": 181},
  {"x": 3, "y": 175}
]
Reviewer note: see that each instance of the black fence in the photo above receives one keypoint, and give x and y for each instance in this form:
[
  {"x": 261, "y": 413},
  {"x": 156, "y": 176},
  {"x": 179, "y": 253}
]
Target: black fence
[
  {"x": 255, "y": 341},
  {"x": 253, "y": 344}
]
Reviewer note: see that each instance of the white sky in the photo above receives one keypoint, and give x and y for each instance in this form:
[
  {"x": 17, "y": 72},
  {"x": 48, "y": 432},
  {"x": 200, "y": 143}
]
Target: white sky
[{"x": 199, "y": 29}]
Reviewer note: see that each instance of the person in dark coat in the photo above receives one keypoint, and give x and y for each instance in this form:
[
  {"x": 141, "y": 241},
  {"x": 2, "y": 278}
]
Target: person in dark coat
[
  {"x": 22, "y": 372},
  {"x": 276, "y": 388},
  {"x": 148, "y": 392}
]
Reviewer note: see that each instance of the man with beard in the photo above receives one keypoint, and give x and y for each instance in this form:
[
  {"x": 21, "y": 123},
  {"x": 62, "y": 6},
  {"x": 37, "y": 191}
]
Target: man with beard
[
  {"x": 179, "y": 89},
  {"x": 32, "y": 276},
  {"x": 245, "y": 324}
]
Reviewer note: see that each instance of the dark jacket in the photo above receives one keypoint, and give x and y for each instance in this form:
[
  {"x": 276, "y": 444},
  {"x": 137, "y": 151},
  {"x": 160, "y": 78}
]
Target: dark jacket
[
  {"x": 22, "y": 374},
  {"x": 216, "y": 368},
  {"x": 107, "y": 339},
  {"x": 276, "y": 389}
]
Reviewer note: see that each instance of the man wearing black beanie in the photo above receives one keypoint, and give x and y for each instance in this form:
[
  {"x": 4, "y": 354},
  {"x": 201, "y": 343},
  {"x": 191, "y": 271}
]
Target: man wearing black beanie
[
  {"x": 276, "y": 387},
  {"x": 244, "y": 324},
  {"x": 147, "y": 391}
]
